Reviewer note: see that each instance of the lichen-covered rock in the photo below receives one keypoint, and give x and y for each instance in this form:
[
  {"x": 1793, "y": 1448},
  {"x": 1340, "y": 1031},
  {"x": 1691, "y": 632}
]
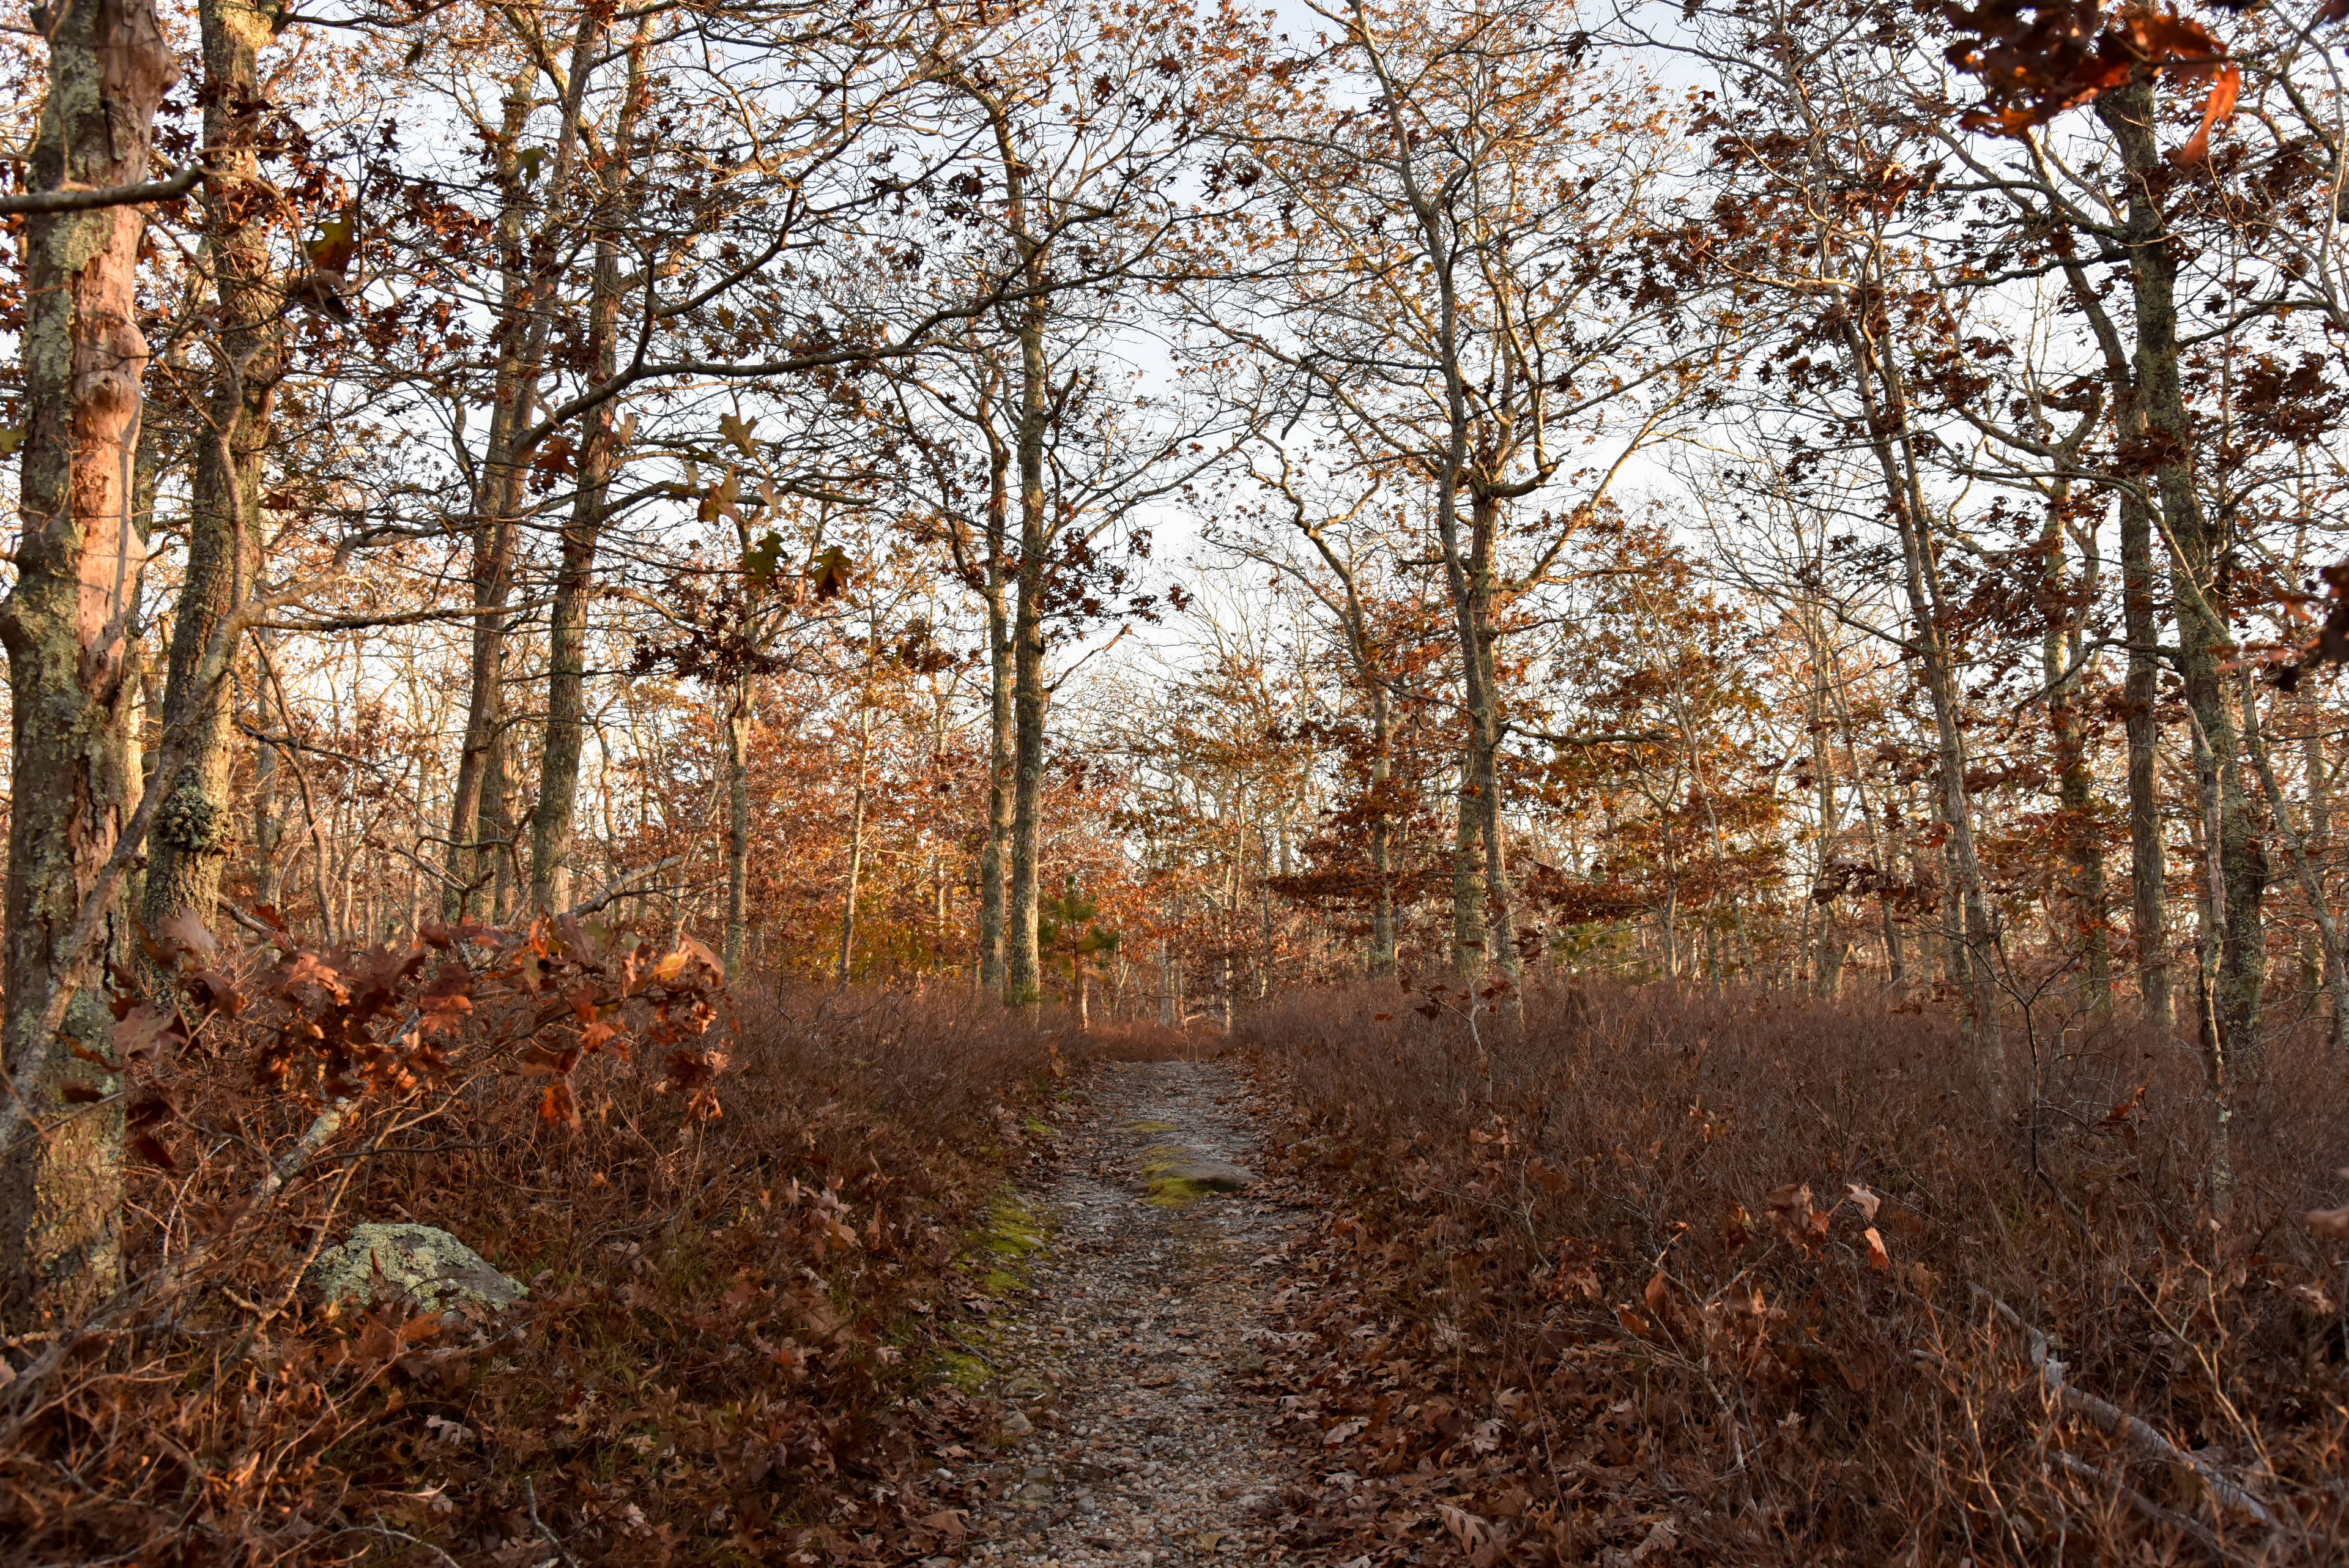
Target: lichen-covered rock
[{"x": 429, "y": 1265}]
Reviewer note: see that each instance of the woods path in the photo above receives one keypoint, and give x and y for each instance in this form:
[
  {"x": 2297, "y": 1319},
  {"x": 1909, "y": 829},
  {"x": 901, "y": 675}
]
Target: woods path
[{"x": 1136, "y": 1440}]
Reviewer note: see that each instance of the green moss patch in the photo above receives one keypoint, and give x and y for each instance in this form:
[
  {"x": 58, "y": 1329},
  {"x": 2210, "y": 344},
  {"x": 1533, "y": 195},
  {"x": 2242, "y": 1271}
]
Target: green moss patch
[
  {"x": 964, "y": 1370},
  {"x": 1013, "y": 1230},
  {"x": 1173, "y": 1191}
]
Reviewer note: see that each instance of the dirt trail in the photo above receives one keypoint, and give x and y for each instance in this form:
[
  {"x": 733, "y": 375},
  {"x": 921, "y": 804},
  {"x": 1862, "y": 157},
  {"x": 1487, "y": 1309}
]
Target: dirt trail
[{"x": 1128, "y": 1358}]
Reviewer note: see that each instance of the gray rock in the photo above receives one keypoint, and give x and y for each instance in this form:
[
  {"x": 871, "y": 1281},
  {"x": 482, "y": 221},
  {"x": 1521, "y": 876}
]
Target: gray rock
[
  {"x": 1173, "y": 1176},
  {"x": 434, "y": 1268},
  {"x": 1215, "y": 1175}
]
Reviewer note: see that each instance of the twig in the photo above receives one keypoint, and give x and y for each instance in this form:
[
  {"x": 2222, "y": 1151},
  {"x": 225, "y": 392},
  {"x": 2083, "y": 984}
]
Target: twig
[
  {"x": 380, "y": 1528},
  {"x": 261, "y": 928},
  {"x": 530, "y": 1490},
  {"x": 2073, "y": 1464},
  {"x": 620, "y": 885},
  {"x": 2118, "y": 1423},
  {"x": 87, "y": 199},
  {"x": 323, "y": 1125}
]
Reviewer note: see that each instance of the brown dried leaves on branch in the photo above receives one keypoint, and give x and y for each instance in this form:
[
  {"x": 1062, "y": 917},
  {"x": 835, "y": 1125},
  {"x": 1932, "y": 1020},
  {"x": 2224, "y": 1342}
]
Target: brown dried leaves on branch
[
  {"x": 351, "y": 1022},
  {"x": 2037, "y": 59}
]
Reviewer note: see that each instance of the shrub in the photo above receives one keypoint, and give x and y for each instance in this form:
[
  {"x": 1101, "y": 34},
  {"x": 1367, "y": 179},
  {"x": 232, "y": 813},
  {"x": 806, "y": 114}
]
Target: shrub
[
  {"x": 1760, "y": 1272},
  {"x": 733, "y": 1221}
]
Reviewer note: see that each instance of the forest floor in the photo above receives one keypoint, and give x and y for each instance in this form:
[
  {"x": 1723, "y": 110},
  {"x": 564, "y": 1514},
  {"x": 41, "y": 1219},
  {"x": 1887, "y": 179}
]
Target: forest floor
[{"x": 1136, "y": 1429}]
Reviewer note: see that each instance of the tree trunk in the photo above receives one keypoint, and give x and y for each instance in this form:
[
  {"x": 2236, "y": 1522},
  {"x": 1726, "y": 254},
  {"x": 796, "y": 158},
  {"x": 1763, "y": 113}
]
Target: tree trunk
[
  {"x": 554, "y": 823},
  {"x": 524, "y": 321},
  {"x": 1467, "y": 881},
  {"x": 1002, "y": 759},
  {"x": 2205, "y": 643},
  {"x": 1024, "y": 971},
  {"x": 2318, "y": 837},
  {"x": 188, "y": 846},
  {"x": 472, "y": 865},
  {"x": 2062, "y": 669},
  {"x": 267, "y": 827},
  {"x": 1477, "y": 638},
  {"x": 855, "y": 851},
  {"x": 2335, "y": 968},
  {"x": 1886, "y": 407},
  {"x": 1880, "y": 851},
  {"x": 738, "y": 825},
  {"x": 501, "y": 779},
  {"x": 2140, "y": 690},
  {"x": 66, "y": 628},
  {"x": 1828, "y": 977},
  {"x": 2218, "y": 1046},
  {"x": 1383, "y": 910}
]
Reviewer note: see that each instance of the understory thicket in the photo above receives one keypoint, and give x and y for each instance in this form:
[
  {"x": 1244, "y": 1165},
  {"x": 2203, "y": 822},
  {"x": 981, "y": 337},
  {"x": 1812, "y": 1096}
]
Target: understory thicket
[
  {"x": 1753, "y": 1274},
  {"x": 723, "y": 1309}
]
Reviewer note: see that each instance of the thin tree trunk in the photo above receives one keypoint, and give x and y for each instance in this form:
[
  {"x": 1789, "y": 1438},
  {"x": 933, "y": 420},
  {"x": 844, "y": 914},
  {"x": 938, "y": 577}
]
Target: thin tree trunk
[
  {"x": 1023, "y": 963},
  {"x": 501, "y": 779},
  {"x": 1828, "y": 977},
  {"x": 66, "y": 627},
  {"x": 738, "y": 825},
  {"x": 855, "y": 851},
  {"x": 188, "y": 846},
  {"x": 2205, "y": 643},
  {"x": 1887, "y": 412},
  {"x": 2319, "y": 834},
  {"x": 2217, "y": 1063},
  {"x": 526, "y": 320},
  {"x": 1478, "y": 635},
  {"x": 1468, "y": 937},
  {"x": 1384, "y": 935},
  {"x": 471, "y": 866},
  {"x": 554, "y": 823},
  {"x": 1002, "y": 743},
  {"x": 2328, "y": 932}
]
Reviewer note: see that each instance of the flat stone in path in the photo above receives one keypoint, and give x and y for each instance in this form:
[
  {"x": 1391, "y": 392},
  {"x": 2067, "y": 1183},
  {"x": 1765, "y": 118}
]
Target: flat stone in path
[{"x": 1172, "y": 1175}]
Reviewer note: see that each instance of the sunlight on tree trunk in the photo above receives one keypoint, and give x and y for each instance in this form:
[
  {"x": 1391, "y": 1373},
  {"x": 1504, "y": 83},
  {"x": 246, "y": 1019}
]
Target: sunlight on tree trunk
[{"x": 67, "y": 625}]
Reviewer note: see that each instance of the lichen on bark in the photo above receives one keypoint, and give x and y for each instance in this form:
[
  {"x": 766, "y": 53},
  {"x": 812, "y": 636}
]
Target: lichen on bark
[{"x": 66, "y": 628}]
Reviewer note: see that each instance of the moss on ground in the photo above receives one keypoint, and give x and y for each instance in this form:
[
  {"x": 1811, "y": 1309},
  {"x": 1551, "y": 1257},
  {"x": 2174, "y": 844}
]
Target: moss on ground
[
  {"x": 998, "y": 1254},
  {"x": 1013, "y": 1230},
  {"x": 1173, "y": 1191},
  {"x": 964, "y": 1370}
]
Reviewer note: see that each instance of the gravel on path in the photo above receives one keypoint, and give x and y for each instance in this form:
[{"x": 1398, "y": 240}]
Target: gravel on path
[{"x": 1132, "y": 1434}]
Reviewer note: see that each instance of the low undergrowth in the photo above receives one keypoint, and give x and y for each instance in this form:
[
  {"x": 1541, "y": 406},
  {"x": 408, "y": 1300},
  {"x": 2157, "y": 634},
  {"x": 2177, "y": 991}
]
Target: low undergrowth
[
  {"x": 738, "y": 1325},
  {"x": 1750, "y": 1279}
]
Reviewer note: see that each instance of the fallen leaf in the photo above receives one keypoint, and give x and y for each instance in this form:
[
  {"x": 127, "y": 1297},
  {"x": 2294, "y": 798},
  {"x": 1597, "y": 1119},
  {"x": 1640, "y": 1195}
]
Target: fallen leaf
[{"x": 1469, "y": 1530}]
